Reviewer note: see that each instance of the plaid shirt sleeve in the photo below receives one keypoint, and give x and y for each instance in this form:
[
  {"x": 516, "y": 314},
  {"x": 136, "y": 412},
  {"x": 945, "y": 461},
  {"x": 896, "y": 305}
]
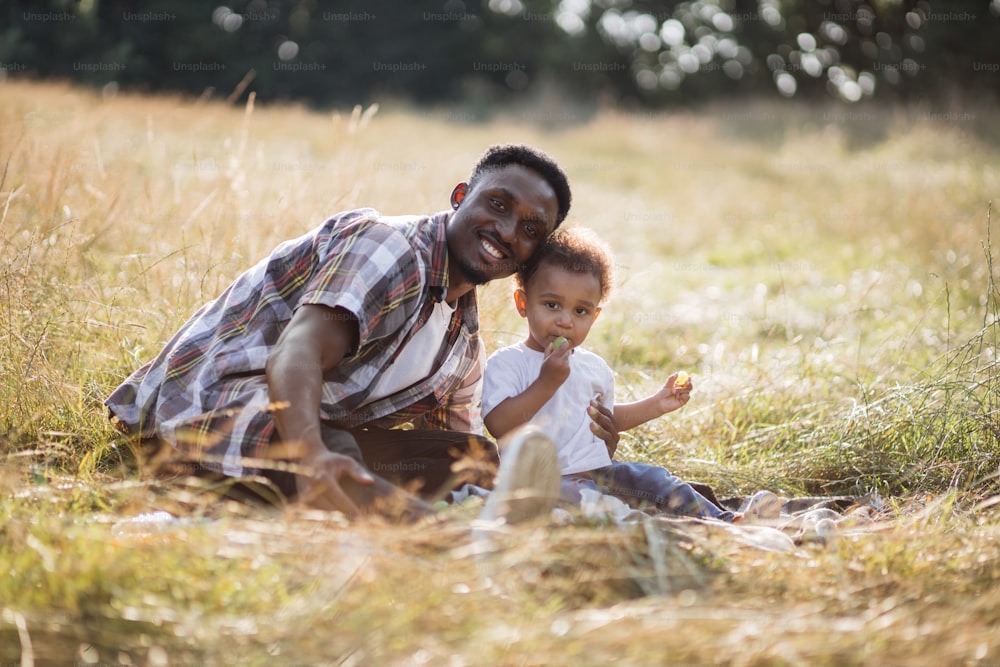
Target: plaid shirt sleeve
[{"x": 373, "y": 273}]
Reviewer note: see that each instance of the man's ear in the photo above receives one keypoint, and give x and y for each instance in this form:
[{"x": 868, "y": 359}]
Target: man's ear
[
  {"x": 521, "y": 302},
  {"x": 458, "y": 194}
]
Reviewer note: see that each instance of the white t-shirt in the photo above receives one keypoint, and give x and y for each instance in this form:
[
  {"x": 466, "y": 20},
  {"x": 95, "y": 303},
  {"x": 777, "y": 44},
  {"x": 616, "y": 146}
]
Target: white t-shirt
[
  {"x": 416, "y": 359},
  {"x": 510, "y": 370}
]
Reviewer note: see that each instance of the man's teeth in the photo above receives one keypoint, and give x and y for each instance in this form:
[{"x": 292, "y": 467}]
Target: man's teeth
[{"x": 492, "y": 249}]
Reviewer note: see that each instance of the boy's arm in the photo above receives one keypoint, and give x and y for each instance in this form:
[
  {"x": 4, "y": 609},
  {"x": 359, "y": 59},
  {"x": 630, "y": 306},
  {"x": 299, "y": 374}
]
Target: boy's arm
[
  {"x": 520, "y": 408},
  {"x": 667, "y": 399}
]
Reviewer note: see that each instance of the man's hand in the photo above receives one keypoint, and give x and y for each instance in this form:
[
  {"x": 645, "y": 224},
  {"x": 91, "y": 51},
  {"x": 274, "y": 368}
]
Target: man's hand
[
  {"x": 602, "y": 424},
  {"x": 319, "y": 483}
]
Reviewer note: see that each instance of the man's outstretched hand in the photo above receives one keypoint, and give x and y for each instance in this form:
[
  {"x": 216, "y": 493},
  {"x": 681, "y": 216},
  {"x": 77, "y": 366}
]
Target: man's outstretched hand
[{"x": 320, "y": 483}]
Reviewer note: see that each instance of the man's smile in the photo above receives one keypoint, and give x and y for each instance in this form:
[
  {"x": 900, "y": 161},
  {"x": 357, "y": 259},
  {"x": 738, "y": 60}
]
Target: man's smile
[{"x": 491, "y": 249}]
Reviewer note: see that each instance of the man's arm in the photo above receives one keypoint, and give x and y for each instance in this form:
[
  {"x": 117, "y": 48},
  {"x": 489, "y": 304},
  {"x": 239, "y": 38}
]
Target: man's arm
[{"x": 315, "y": 340}]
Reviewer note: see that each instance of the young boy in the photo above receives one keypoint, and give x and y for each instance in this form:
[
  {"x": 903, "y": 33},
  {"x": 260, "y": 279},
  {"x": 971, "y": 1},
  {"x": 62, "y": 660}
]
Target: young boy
[{"x": 550, "y": 381}]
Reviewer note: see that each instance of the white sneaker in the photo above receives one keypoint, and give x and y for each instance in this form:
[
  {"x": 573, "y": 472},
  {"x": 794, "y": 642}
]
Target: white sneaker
[
  {"x": 762, "y": 506},
  {"x": 527, "y": 484}
]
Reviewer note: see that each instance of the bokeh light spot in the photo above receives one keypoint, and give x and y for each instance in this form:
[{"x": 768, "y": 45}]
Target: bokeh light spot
[
  {"x": 232, "y": 22},
  {"x": 786, "y": 83},
  {"x": 867, "y": 82},
  {"x": 723, "y": 22},
  {"x": 850, "y": 91},
  {"x": 646, "y": 79},
  {"x": 670, "y": 78},
  {"x": 288, "y": 50},
  {"x": 688, "y": 62},
  {"x": 672, "y": 32},
  {"x": 649, "y": 42},
  {"x": 733, "y": 69}
]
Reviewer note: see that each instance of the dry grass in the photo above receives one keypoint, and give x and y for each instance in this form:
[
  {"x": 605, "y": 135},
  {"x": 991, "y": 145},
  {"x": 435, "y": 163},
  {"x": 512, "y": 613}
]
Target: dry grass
[{"x": 827, "y": 281}]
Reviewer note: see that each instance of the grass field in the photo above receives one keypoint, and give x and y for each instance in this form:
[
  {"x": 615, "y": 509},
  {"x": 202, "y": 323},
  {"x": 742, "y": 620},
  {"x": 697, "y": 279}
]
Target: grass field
[{"x": 825, "y": 276}]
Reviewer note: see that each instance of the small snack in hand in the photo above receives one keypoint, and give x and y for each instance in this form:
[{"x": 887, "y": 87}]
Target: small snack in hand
[
  {"x": 681, "y": 379},
  {"x": 558, "y": 342}
]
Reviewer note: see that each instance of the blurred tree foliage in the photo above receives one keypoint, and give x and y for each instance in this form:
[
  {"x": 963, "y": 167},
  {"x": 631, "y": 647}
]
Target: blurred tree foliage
[{"x": 483, "y": 53}]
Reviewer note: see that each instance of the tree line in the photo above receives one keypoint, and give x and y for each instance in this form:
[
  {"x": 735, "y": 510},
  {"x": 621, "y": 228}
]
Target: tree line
[{"x": 485, "y": 53}]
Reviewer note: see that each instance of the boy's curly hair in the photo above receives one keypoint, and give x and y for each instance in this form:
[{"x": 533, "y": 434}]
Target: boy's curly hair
[{"x": 579, "y": 250}]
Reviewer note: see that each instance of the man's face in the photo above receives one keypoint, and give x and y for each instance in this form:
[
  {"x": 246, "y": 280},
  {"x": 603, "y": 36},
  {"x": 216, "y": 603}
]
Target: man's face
[{"x": 500, "y": 222}]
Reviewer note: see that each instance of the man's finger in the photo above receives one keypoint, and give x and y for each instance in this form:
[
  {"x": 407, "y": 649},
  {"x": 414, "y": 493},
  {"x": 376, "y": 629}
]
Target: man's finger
[
  {"x": 600, "y": 415},
  {"x": 336, "y": 496},
  {"x": 603, "y": 432},
  {"x": 311, "y": 494},
  {"x": 324, "y": 492},
  {"x": 359, "y": 473}
]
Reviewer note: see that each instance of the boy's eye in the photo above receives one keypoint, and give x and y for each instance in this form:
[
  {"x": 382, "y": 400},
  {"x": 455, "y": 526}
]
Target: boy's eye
[{"x": 551, "y": 305}]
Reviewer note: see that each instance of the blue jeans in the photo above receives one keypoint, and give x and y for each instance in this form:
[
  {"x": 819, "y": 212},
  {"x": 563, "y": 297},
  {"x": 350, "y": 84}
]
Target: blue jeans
[{"x": 643, "y": 484}]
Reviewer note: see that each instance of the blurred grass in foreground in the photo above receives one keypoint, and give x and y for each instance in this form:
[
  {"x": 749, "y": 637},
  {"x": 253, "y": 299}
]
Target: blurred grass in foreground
[{"x": 833, "y": 297}]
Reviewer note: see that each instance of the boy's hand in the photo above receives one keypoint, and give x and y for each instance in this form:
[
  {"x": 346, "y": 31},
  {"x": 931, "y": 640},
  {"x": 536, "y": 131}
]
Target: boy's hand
[
  {"x": 555, "y": 366},
  {"x": 674, "y": 394},
  {"x": 602, "y": 424}
]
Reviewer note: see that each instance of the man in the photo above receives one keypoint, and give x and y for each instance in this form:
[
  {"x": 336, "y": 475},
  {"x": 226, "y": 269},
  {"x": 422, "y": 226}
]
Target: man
[{"x": 363, "y": 324}]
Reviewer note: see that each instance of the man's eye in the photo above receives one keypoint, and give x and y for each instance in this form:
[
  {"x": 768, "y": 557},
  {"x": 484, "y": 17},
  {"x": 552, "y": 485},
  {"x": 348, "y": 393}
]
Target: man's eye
[
  {"x": 497, "y": 204},
  {"x": 531, "y": 231}
]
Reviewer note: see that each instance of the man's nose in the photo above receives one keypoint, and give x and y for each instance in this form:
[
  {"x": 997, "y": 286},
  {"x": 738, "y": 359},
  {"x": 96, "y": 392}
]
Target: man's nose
[{"x": 505, "y": 229}]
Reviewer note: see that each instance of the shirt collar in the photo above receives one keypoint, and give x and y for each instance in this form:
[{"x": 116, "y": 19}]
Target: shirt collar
[{"x": 437, "y": 278}]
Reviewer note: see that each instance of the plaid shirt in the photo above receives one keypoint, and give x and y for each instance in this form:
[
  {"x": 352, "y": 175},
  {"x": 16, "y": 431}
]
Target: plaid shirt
[{"x": 206, "y": 392}]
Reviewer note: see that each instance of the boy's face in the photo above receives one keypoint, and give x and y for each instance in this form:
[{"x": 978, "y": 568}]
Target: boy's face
[{"x": 556, "y": 303}]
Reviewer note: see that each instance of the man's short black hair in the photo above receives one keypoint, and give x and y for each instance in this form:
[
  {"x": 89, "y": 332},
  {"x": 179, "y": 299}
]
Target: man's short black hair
[{"x": 502, "y": 155}]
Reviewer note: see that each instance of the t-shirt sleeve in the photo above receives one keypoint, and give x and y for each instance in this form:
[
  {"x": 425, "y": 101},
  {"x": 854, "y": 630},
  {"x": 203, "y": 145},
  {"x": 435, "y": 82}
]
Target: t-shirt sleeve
[
  {"x": 504, "y": 377},
  {"x": 370, "y": 270},
  {"x": 607, "y": 398}
]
